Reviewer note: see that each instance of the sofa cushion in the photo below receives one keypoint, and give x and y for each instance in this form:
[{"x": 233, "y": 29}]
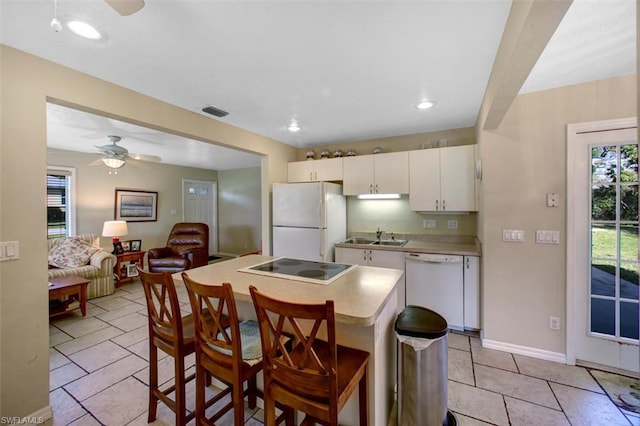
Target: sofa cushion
[
  {"x": 70, "y": 253},
  {"x": 87, "y": 271}
]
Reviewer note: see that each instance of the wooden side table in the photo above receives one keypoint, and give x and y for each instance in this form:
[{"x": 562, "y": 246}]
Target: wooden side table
[
  {"x": 74, "y": 287},
  {"x": 125, "y": 267}
]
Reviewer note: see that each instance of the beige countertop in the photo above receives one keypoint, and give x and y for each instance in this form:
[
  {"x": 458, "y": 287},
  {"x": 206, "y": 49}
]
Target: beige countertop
[
  {"x": 359, "y": 295},
  {"x": 463, "y": 246}
]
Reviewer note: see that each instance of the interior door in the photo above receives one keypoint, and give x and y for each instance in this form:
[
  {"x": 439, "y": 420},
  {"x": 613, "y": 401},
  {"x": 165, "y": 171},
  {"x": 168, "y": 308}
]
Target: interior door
[
  {"x": 602, "y": 244},
  {"x": 200, "y": 204}
]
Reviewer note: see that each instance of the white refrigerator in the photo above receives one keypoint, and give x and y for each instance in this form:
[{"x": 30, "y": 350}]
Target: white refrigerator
[{"x": 308, "y": 219}]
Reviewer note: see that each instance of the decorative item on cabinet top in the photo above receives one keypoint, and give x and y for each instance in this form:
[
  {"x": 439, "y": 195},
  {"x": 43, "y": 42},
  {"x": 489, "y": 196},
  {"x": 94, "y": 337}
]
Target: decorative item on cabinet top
[
  {"x": 311, "y": 155},
  {"x": 324, "y": 153},
  {"x": 377, "y": 150}
]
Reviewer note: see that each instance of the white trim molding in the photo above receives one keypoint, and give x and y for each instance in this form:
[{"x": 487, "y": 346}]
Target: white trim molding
[{"x": 525, "y": 350}]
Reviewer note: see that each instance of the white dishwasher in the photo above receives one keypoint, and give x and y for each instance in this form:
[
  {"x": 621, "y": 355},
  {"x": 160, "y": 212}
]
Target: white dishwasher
[{"x": 436, "y": 281}]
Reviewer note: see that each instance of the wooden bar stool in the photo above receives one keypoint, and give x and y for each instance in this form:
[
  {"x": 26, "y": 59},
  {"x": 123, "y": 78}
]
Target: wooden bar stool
[
  {"x": 172, "y": 333},
  {"x": 314, "y": 376},
  {"x": 225, "y": 348}
]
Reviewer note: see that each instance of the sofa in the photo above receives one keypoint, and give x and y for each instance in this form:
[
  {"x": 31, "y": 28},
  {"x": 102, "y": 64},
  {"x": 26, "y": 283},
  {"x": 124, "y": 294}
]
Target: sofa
[{"x": 82, "y": 256}]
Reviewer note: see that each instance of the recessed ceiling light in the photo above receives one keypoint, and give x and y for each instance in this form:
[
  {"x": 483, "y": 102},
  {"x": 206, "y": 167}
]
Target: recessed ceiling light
[
  {"x": 294, "y": 127},
  {"x": 425, "y": 104},
  {"x": 84, "y": 29}
]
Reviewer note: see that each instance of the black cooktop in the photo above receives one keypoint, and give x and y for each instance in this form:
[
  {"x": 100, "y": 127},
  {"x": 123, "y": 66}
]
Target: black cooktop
[{"x": 301, "y": 270}]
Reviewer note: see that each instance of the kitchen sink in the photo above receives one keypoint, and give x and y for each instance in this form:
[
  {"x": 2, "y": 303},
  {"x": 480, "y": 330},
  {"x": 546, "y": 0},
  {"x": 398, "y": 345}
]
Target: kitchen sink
[
  {"x": 396, "y": 243},
  {"x": 373, "y": 241},
  {"x": 360, "y": 240}
]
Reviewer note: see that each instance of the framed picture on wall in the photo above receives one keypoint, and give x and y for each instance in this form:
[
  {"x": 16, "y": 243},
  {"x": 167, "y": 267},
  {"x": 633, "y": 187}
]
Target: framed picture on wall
[{"x": 136, "y": 205}]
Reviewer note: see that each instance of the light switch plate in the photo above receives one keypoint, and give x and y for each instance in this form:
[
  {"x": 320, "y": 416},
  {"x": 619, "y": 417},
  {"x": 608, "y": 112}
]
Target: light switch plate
[
  {"x": 513, "y": 235},
  {"x": 9, "y": 250}
]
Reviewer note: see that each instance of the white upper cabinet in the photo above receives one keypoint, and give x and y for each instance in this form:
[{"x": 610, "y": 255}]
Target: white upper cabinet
[
  {"x": 442, "y": 179},
  {"x": 328, "y": 169},
  {"x": 376, "y": 174}
]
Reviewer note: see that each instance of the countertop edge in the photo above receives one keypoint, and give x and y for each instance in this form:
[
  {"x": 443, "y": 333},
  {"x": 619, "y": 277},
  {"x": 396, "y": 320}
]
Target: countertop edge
[{"x": 466, "y": 251}]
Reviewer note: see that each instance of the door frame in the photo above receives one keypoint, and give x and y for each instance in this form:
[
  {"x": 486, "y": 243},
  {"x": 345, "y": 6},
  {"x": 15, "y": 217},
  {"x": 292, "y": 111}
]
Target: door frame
[
  {"x": 213, "y": 227},
  {"x": 573, "y": 129}
]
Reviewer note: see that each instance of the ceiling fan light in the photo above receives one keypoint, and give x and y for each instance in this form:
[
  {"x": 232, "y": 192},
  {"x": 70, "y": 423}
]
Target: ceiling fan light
[
  {"x": 425, "y": 104},
  {"x": 84, "y": 29},
  {"x": 112, "y": 162},
  {"x": 294, "y": 127}
]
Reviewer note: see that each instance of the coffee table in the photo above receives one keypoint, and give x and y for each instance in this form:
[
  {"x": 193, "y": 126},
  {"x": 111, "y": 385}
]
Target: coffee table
[{"x": 72, "y": 286}]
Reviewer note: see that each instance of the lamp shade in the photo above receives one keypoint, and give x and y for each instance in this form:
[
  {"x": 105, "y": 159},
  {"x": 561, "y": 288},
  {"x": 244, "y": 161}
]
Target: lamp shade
[{"x": 114, "y": 228}]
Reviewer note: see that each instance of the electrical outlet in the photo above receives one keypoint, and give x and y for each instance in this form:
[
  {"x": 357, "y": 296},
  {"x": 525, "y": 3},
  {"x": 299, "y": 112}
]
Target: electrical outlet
[
  {"x": 430, "y": 223},
  {"x": 452, "y": 224},
  {"x": 554, "y": 323}
]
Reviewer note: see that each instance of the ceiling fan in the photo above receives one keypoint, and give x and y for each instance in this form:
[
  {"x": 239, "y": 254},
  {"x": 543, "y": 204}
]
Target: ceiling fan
[
  {"x": 115, "y": 156},
  {"x": 126, "y": 7}
]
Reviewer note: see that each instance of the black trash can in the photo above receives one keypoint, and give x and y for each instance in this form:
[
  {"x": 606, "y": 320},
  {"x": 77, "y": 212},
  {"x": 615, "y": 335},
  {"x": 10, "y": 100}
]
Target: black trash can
[{"x": 422, "y": 368}]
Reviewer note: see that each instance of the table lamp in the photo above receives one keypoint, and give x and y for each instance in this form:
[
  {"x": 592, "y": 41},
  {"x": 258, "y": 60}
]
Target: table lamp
[{"x": 115, "y": 229}]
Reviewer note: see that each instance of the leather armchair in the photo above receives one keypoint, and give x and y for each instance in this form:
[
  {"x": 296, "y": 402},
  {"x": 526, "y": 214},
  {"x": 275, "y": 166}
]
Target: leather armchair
[{"x": 187, "y": 247}]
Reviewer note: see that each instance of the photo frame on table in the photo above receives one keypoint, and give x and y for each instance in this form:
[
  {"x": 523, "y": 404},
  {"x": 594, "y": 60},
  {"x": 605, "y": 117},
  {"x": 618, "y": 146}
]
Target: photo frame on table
[
  {"x": 136, "y": 205},
  {"x": 117, "y": 248},
  {"x": 135, "y": 245},
  {"x": 126, "y": 245},
  {"x": 132, "y": 271}
]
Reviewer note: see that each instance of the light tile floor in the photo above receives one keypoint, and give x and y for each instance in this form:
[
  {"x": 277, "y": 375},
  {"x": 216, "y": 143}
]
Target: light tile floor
[{"x": 99, "y": 375}]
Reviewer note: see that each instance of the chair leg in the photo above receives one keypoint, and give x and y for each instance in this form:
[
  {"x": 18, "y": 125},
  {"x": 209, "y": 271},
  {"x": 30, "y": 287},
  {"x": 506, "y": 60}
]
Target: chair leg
[
  {"x": 153, "y": 382},
  {"x": 363, "y": 399},
  {"x": 252, "y": 388},
  {"x": 269, "y": 411},
  {"x": 202, "y": 377},
  {"x": 181, "y": 406},
  {"x": 238, "y": 401}
]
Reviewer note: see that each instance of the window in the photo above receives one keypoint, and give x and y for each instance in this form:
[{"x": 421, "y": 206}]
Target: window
[
  {"x": 614, "y": 241},
  {"x": 60, "y": 202}
]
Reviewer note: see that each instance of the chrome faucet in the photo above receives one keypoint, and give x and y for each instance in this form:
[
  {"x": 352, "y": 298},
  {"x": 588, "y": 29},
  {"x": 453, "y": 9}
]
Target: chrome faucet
[{"x": 379, "y": 234}]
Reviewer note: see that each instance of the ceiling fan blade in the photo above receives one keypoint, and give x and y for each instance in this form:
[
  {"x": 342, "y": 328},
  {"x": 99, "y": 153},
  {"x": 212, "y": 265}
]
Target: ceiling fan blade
[
  {"x": 126, "y": 7},
  {"x": 141, "y": 157}
]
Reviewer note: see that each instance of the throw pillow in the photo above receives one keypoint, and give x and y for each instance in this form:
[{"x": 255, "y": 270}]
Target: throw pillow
[{"x": 71, "y": 253}]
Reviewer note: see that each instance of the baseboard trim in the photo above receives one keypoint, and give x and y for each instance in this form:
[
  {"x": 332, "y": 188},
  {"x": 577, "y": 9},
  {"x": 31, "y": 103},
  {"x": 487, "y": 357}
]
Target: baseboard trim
[
  {"x": 525, "y": 350},
  {"x": 40, "y": 416}
]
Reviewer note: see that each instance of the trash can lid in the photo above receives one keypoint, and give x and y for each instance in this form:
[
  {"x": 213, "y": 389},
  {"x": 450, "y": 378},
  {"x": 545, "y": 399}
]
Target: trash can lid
[{"x": 418, "y": 321}]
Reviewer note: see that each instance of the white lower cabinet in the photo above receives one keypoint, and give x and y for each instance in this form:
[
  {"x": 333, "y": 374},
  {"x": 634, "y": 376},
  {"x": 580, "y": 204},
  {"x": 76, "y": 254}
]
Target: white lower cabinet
[
  {"x": 472, "y": 292},
  {"x": 379, "y": 258}
]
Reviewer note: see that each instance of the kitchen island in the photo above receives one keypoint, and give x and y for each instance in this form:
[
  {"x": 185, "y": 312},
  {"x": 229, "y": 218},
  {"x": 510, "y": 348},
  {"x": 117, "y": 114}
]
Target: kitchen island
[{"x": 365, "y": 308}]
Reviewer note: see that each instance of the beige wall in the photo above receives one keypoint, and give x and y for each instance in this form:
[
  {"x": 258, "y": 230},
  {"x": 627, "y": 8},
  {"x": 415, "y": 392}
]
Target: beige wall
[
  {"x": 239, "y": 210},
  {"x": 27, "y": 82},
  {"x": 525, "y": 158},
  {"x": 396, "y": 216},
  {"x": 95, "y": 194}
]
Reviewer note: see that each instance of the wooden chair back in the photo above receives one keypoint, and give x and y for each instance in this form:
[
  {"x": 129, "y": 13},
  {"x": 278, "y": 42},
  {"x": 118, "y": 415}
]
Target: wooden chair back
[
  {"x": 217, "y": 333},
  {"x": 305, "y": 376},
  {"x": 163, "y": 309}
]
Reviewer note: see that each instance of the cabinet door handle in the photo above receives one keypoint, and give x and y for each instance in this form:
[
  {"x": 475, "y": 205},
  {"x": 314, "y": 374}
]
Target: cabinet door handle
[
  {"x": 371, "y": 189},
  {"x": 310, "y": 175},
  {"x": 467, "y": 262},
  {"x": 315, "y": 176},
  {"x": 376, "y": 188},
  {"x": 437, "y": 205},
  {"x": 364, "y": 257},
  {"x": 444, "y": 207}
]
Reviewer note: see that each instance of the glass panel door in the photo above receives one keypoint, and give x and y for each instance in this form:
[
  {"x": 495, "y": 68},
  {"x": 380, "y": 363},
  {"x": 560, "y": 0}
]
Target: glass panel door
[{"x": 613, "y": 296}]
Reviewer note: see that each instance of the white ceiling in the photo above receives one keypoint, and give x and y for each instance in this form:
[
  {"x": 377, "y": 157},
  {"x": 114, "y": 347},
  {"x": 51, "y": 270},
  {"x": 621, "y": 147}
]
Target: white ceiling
[{"x": 346, "y": 70}]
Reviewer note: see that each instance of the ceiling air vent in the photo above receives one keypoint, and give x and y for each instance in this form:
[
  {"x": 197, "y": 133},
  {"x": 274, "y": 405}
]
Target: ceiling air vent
[{"x": 214, "y": 111}]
